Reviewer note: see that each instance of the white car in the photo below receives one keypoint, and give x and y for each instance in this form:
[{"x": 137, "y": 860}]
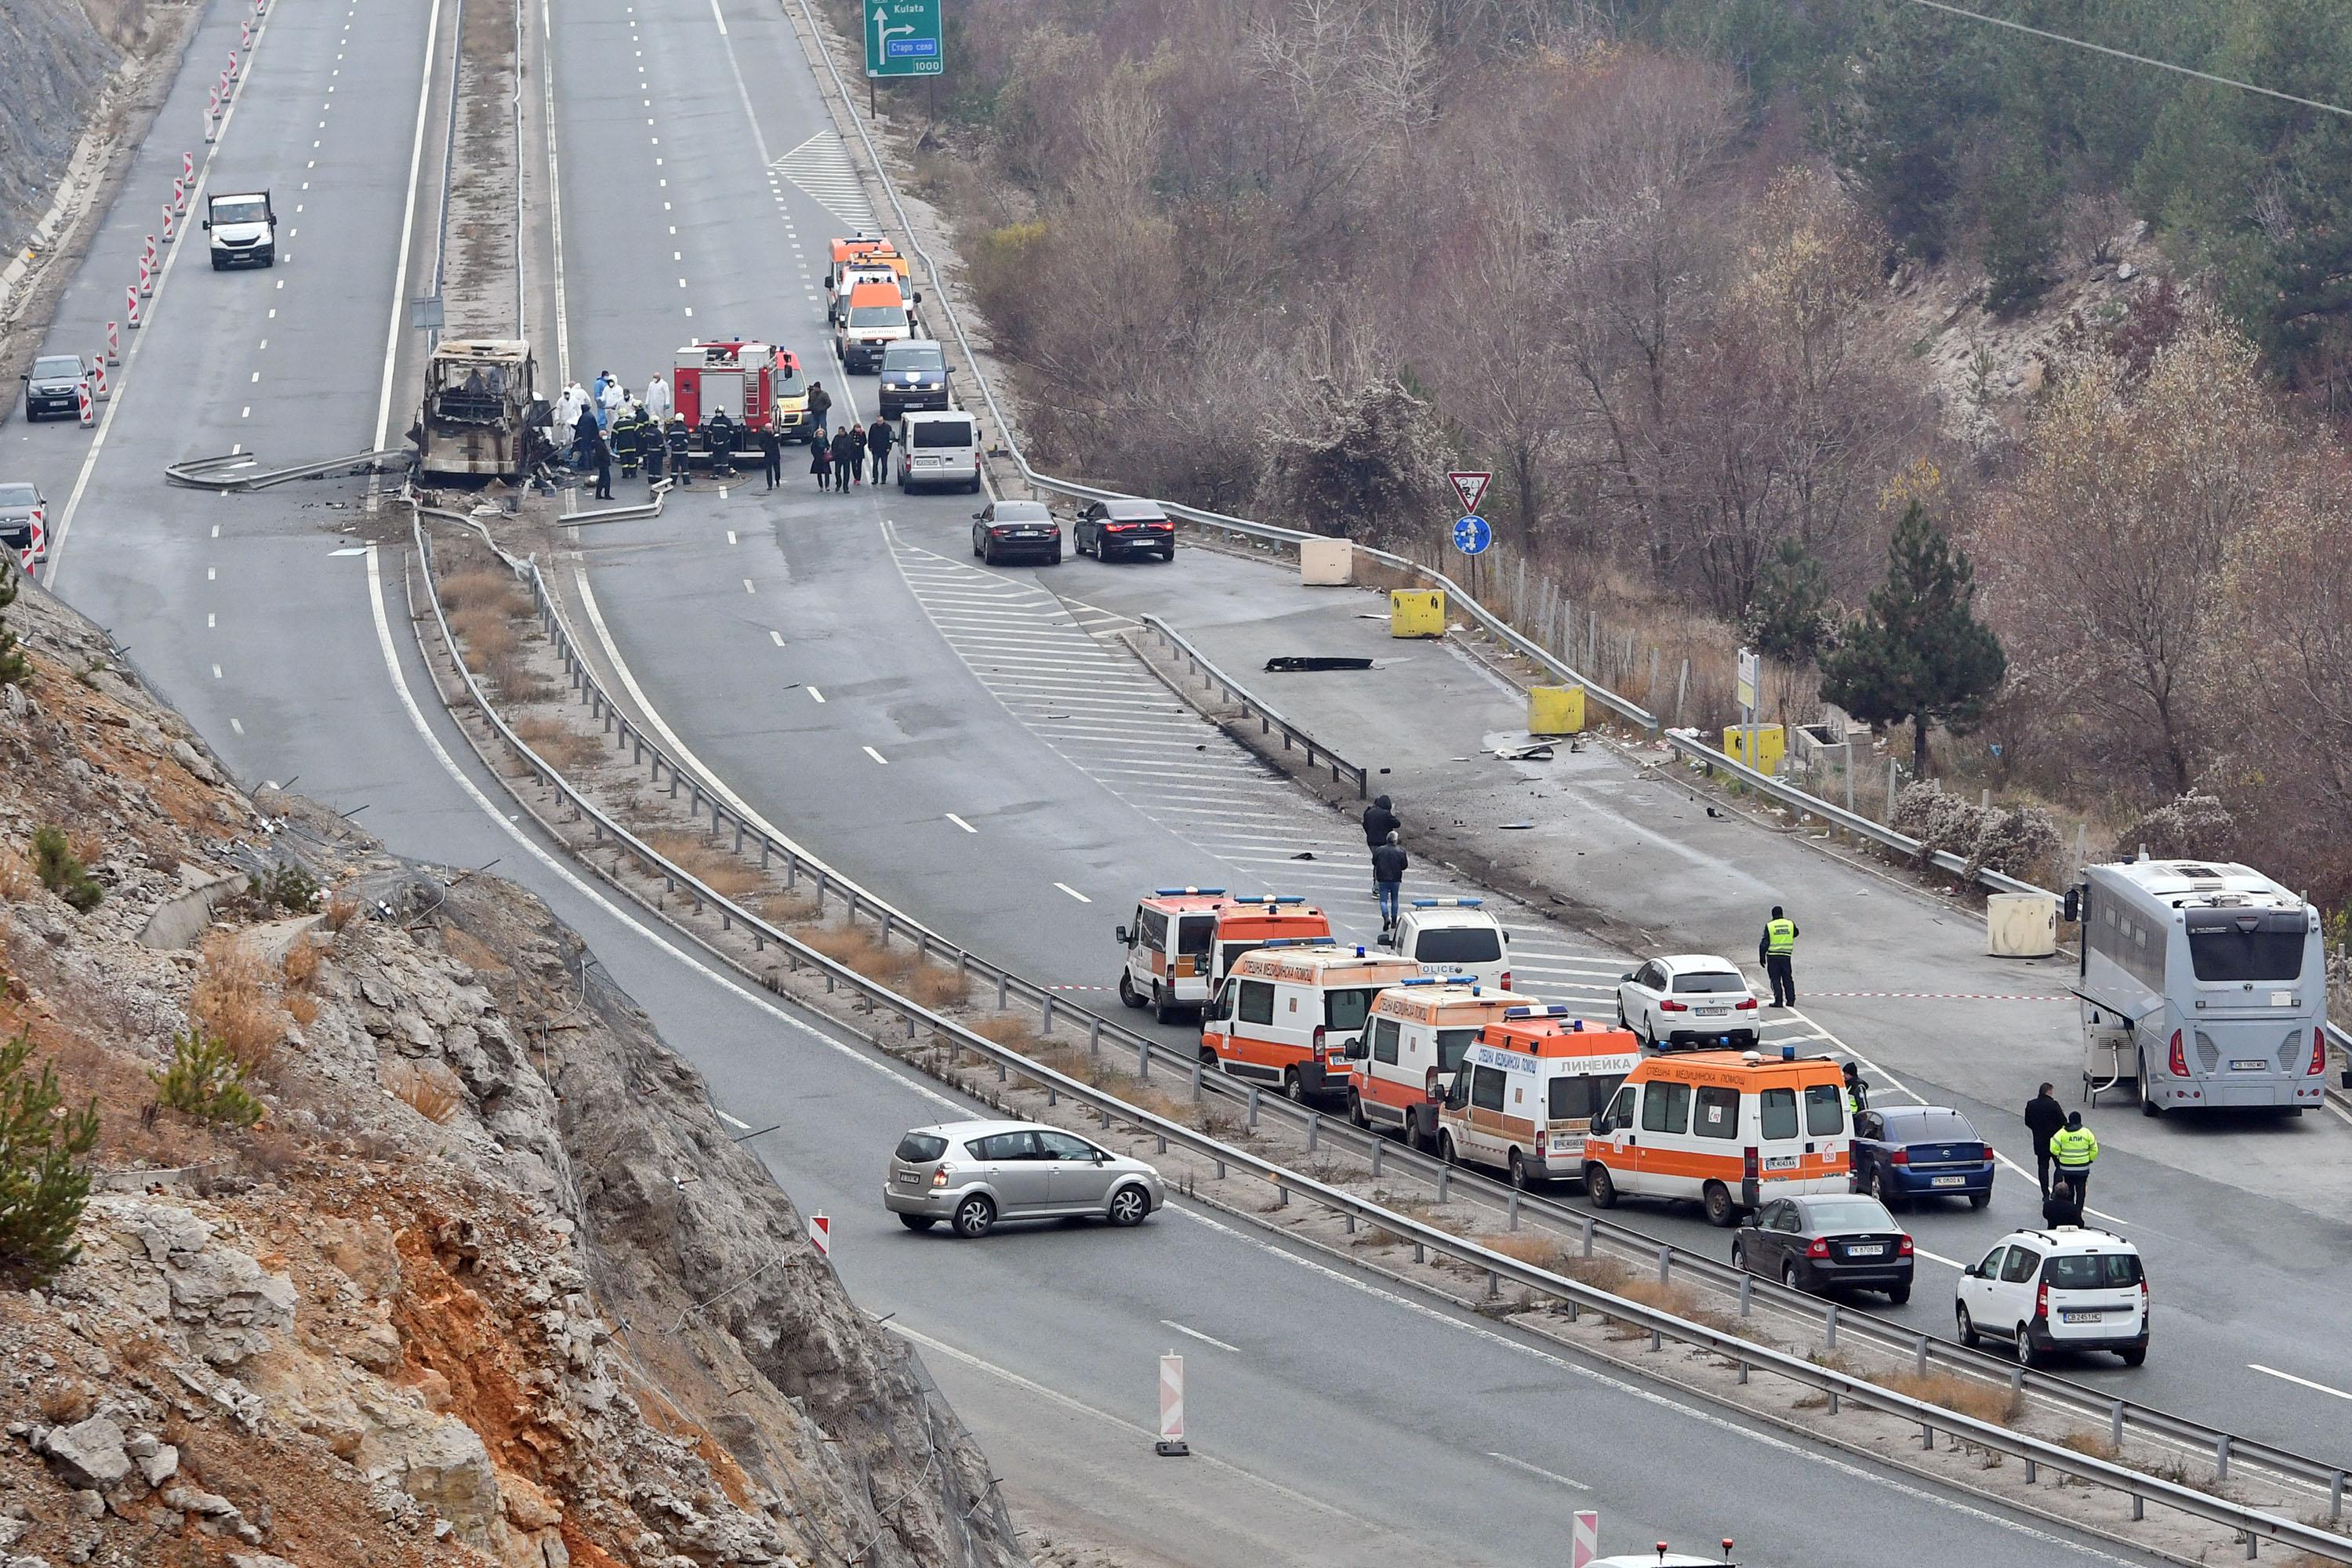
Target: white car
[
  {"x": 1691, "y": 1000},
  {"x": 2051, "y": 1290}
]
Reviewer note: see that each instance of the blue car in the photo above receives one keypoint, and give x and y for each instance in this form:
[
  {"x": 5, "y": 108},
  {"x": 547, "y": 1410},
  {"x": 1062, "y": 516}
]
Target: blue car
[{"x": 1920, "y": 1152}]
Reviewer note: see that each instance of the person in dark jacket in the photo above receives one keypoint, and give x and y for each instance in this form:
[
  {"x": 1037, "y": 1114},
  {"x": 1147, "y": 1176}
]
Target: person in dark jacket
[
  {"x": 771, "y": 455},
  {"x": 585, "y": 435},
  {"x": 625, "y": 441},
  {"x": 1776, "y": 950},
  {"x": 681, "y": 449},
  {"x": 878, "y": 437},
  {"x": 856, "y": 453},
  {"x": 603, "y": 459},
  {"x": 844, "y": 443},
  {"x": 1379, "y": 823},
  {"x": 2044, "y": 1117},
  {"x": 1389, "y": 864},
  {"x": 656, "y": 447},
  {"x": 820, "y": 404},
  {"x": 821, "y": 463},
  {"x": 719, "y": 437}
]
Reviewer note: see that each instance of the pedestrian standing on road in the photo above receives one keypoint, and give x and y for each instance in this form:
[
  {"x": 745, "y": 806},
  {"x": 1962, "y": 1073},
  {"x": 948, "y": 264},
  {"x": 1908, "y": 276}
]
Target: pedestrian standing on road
[
  {"x": 718, "y": 438},
  {"x": 659, "y": 407},
  {"x": 568, "y": 405},
  {"x": 1776, "y": 950},
  {"x": 856, "y": 454},
  {"x": 609, "y": 397},
  {"x": 680, "y": 441},
  {"x": 656, "y": 447},
  {"x": 877, "y": 446},
  {"x": 2044, "y": 1117},
  {"x": 585, "y": 437},
  {"x": 1389, "y": 864},
  {"x": 1380, "y": 822},
  {"x": 2075, "y": 1147},
  {"x": 820, "y": 404},
  {"x": 596, "y": 393},
  {"x": 771, "y": 455},
  {"x": 843, "y": 444},
  {"x": 604, "y": 455},
  {"x": 821, "y": 463}
]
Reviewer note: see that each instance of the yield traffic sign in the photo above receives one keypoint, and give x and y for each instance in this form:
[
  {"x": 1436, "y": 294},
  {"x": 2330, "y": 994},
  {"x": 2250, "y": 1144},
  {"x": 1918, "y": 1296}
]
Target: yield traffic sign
[
  {"x": 902, "y": 38},
  {"x": 1470, "y": 485}
]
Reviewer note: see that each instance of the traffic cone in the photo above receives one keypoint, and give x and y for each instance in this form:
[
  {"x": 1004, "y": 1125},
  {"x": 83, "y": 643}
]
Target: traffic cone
[
  {"x": 98, "y": 387},
  {"x": 88, "y": 409},
  {"x": 130, "y": 307},
  {"x": 113, "y": 345}
]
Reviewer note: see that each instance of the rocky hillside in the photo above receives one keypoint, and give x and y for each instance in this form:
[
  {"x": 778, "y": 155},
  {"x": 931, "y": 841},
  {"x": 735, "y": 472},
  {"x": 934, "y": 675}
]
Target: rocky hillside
[
  {"x": 57, "y": 60},
  {"x": 485, "y": 1282}
]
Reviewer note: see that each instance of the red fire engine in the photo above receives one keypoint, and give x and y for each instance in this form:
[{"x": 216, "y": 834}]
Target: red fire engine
[{"x": 757, "y": 384}]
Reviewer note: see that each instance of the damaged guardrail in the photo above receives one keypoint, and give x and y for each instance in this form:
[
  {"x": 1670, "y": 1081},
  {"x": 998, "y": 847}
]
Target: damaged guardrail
[
  {"x": 1319, "y": 755},
  {"x": 227, "y": 473}
]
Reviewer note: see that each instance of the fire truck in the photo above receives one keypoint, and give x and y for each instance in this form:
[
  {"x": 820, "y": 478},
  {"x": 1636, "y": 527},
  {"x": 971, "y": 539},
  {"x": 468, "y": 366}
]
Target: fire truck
[{"x": 757, "y": 384}]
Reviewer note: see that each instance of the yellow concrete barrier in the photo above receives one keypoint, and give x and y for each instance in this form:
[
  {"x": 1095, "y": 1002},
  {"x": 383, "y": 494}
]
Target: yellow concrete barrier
[
  {"x": 1761, "y": 746},
  {"x": 1416, "y": 612},
  {"x": 1556, "y": 710}
]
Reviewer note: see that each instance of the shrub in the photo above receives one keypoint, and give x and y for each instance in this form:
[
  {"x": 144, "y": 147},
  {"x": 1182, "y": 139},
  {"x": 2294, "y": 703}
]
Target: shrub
[
  {"x": 13, "y": 666},
  {"x": 428, "y": 1094},
  {"x": 340, "y": 912},
  {"x": 44, "y": 1179},
  {"x": 2022, "y": 843},
  {"x": 286, "y": 886},
  {"x": 62, "y": 872},
  {"x": 205, "y": 1080},
  {"x": 301, "y": 964},
  {"x": 2193, "y": 827},
  {"x": 234, "y": 1003}
]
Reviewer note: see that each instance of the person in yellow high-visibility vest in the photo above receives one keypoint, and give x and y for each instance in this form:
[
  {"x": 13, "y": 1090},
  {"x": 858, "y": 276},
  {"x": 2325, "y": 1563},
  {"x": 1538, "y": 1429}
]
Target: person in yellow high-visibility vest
[
  {"x": 1777, "y": 951},
  {"x": 2074, "y": 1147}
]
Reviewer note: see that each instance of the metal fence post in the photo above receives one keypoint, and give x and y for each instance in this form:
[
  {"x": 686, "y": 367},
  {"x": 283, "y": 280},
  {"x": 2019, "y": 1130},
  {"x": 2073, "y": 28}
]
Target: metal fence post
[
  {"x": 1511, "y": 1211},
  {"x": 1253, "y": 1107},
  {"x": 1831, "y": 1341}
]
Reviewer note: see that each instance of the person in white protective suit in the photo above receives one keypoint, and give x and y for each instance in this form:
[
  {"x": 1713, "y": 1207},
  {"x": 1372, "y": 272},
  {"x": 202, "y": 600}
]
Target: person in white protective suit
[{"x": 659, "y": 407}]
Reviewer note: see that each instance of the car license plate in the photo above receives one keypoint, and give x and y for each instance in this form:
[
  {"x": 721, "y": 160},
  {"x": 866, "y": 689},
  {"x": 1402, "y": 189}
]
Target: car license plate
[
  {"x": 2082, "y": 1317},
  {"x": 1715, "y": 1012},
  {"x": 2246, "y": 1064},
  {"x": 1876, "y": 1249},
  {"x": 1951, "y": 1181},
  {"x": 1781, "y": 1162},
  {"x": 910, "y": 1178}
]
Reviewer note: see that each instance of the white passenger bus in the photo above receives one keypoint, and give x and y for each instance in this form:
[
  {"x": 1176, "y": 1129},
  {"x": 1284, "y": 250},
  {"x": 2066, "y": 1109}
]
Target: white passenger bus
[{"x": 2203, "y": 984}]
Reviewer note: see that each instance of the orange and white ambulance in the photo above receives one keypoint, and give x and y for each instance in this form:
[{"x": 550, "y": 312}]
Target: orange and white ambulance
[
  {"x": 1288, "y": 1011},
  {"x": 1181, "y": 941},
  {"x": 1728, "y": 1130},
  {"x": 1529, "y": 1090},
  {"x": 1402, "y": 1064}
]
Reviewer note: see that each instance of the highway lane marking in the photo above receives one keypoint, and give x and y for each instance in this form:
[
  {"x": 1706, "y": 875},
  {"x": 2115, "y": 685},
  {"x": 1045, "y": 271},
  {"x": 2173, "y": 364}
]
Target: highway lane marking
[
  {"x": 732, "y": 1121},
  {"x": 748, "y": 587},
  {"x": 876, "y": 756},
  {"x": 209, "y": 623},
  {"x": 1027, "y": 1386},
  {"x": 630, "y": 923},
  {"x": 216, "y": 674},
  {"x": 2290, "y": 1377},
  {"x": 815, "y": 695},
  {"x": 731, "y": 536},
  {"x": 1646, "y": 1395},
  {"x": 237, "y": 726},
  {"x": 776, "y": 637},
  {"x": 1538, "y": 1470},
  {"x": 1074, "y": 892},
  {"x": 960, "y": 822},
  {"x": 1195, "y": 1333},
  {"x": 211, "y": 572},
  {"x": 554, "y": 189},
  {"x": 408, "y": 235}
]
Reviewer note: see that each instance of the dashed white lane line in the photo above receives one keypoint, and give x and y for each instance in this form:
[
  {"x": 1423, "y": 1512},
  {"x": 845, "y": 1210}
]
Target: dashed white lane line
[
  {"x": 731, "y": 536},
  {"x": 1197, "y": 1334},
  {"x": 237, "y": 726},
  {"x": 776, "y": 637},
  {"x": 876, "y": 756},
  {"x": 211, "y": 624},
  {"x": 216, "y": 673},
  {"x": 960, "y": 822},
  {"x": 211, "y": 572},
  {"x": 1538, "y": 1471},
  {"x": 2290, "y": 1377},
  {"x": 815, "y": 693},
  {"x": 1074, "y": 892},
  {"x": 749, "y": 586}
]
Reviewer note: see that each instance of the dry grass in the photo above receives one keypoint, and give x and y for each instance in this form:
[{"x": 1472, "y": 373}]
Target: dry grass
[
  {"x": 17, "y": 881},
  {"x": 1536, "y": 1251},
  {"x": 301, "y": 966},
  {"x": 560, "y": 743},
  {"x": 236, "y": 999},
  {"x": 87, "y": 847},
  {"x": 1972, "y": 1397},
  {"x": 936, "y": 986},
  {"x": 487, "y": 632},
  {"x": 428, "y": 1093},
  {"x": 340, "y": 912},
  {"x": 787, "y": 908},
  {"x": 855, "y": 949},
  {"x": 491, "y": 590},
  {"x": 2085, "y": 1440},
  {"x": 516, "y": 682},
  {"x": 303, "y": 1008},
  {"x": 711, "y": 865}
]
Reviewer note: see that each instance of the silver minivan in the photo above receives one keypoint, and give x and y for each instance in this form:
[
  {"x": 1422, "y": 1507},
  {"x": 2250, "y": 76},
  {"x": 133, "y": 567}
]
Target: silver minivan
[{"x": 974, "y": 1173}]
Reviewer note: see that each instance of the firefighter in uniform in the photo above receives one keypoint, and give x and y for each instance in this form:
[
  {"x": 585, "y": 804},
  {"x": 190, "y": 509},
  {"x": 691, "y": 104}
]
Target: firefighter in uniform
[
  {"x": 657, "y": 446},
  {"x": 1777, "y": 951},
  {"x": 681, "y": 449},
  {"x": 2075, "y": 1147},
  {"x": 719, "y": 437},
  {"x": 628, "y": 432}
]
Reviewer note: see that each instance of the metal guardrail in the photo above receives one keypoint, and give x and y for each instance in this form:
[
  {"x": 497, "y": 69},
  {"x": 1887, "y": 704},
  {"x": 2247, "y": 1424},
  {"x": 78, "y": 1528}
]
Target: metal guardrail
[
  {"x": 2255, "y": 1525},
  {"x": 1317, "y": 755},
  {"x": 208, "y": 473}
]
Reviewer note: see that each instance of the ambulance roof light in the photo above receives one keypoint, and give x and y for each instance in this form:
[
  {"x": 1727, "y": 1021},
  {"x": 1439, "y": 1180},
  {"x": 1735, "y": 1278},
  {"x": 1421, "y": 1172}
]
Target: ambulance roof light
[
  {"x": 1449, "y": 903},
  {"x": 1423, "y": 980},
  {"x": 1360, "y": 950},
  {"x": 1301, "y": 941},
  {"x": 1538, "y": 1010},
  {"x": 1178, "y": 892},
  {"x": 1269, "y": 898}
]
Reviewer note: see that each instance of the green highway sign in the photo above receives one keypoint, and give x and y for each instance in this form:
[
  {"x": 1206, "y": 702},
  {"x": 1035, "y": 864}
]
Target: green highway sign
[{"x": 902, "y": 38}]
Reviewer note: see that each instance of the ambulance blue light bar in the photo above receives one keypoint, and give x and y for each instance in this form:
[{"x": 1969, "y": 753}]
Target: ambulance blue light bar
[
  {"x": 1301, "y": 941},
  {"x": 1173, "y": 893},
  {"x": 1269, "y": 899},
  {"x": 1449, "y": 903},
  {"x": 1556, "y": 1010}
]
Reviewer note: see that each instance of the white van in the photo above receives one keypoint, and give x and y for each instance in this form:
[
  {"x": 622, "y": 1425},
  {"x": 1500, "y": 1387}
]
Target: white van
[
  {"x": 1402, "y": 1068},
  {"x": 1728, "y": 1129},
  {"x": 1287, "y": 1011},
  {"x": 939, "y": 447},
  {"x": 2051, "y": 1290},
  {"x": 1456, "y": 937},
  {"x": 1528, "y": 1091}
]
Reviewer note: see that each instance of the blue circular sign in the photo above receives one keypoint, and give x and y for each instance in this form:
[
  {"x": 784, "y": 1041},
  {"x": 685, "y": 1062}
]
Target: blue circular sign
[{"x": 1471, "y": 534}]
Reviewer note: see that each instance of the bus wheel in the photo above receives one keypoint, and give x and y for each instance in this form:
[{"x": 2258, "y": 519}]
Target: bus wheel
[
  {"x": 1518, "y": 1171},
  {"x": 1162, "y": 1007},
  {"x": 2147, "y": 1105}
]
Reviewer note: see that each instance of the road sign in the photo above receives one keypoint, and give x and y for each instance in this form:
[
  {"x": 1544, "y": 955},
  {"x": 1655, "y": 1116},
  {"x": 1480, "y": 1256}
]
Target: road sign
[
  {"x": 1470, "y": 485},
  {"x": 902, "y": 39},
  {"x": 1172, "y": 1443},
  {"x": 1751, "y": 677},
  {"x": 1471, "y": 534}
]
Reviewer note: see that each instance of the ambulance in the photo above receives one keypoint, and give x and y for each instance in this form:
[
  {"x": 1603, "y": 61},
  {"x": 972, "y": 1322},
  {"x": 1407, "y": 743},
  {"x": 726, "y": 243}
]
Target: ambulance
[
  {"x": 1527, "y": 1090},
  {"x": 1455, "y": 936},
  {"x": 1288, "y": 1011},
  {"x": 1728, "y": 1129},
  {"x": 1181, "y": 941},
  {"x": 852, "y": 251},
  {"x": 877, "y": 315},
  {"x": 1403, "y": 1066},
  {"x": 757, "y": 384}
]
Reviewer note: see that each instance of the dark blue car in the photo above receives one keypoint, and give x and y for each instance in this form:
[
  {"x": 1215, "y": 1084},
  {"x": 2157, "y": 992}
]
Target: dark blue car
[{"x": 1909, "y": 1152}]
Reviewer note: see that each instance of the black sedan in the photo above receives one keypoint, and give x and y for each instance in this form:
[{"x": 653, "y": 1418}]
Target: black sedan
[
  {"x": 1827, "y": 1242},
  {"x": 1003, "y": 529},
  {"x": 1110, "y": 529},
  {"x": 54, "y": 385}
]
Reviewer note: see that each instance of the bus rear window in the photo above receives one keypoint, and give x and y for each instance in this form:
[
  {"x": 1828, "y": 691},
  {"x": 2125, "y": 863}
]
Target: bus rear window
[
  {"x": 931, "y": 433},
  {"x": 1196, "y": 934},
  {"x": 1825, "y": 1110},
  {"x": 2232, "y": 954}
]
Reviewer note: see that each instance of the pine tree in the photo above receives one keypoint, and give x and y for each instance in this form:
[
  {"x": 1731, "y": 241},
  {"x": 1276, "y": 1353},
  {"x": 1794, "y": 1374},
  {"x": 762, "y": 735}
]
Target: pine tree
[
  {"x": 1918, "y": 652},
  {"x": 1788, "y": 616},
  {"x": 2021, "y": 228},
  {"x": 43, "y": 1182}
]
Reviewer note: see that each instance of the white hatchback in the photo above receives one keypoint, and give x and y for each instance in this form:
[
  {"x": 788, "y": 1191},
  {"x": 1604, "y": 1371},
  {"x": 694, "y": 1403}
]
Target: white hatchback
[
  {"x": 2051, "y": 1291},
  {"x": 1693, "y": 1000}
]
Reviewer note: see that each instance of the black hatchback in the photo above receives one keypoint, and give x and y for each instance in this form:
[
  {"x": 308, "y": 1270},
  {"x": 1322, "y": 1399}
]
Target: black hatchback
[{"x": 1829, "y": 1241}]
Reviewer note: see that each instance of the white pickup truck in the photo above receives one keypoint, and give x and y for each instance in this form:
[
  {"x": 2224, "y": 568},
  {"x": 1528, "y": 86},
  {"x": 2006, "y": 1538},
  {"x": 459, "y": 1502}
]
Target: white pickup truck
[{"x": 243, "y": 230}]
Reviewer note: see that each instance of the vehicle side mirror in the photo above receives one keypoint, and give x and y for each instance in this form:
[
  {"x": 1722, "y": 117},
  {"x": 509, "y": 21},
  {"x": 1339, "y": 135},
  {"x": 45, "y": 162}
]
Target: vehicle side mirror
[
  {"x": 1600, "y": 1123},
  {"x": 1627, "y": 975},
  {"x": 1123, "y": 939},
  {"x": 1357, "y": 1050},
  {"x": 1101, "y": 1158},
  {"x": 918, "y": 298},
  {"x": 208, "y": 222},
  {"x": 980, "y": 517},
  {"x": 1968, "y": 1269}
]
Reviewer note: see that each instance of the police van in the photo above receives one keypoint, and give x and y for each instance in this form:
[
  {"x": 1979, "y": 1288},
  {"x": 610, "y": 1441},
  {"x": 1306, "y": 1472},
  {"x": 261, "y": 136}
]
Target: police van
[
  {"x": 1455, "y": 936},
  {"x": 1728, "y": 1129},
  {"x": 1288, "y": 1011},
  {"x": 1527, "y": 1090},
  {"x": 1180, "y": 942},
  {"x": 1403, "y": 1066}
]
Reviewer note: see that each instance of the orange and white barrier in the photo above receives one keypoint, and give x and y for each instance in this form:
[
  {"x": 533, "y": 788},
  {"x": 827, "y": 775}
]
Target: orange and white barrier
[
  {"x": 97, "y": 382},
  {"x": 179, "y": 197},
  {"x": 130, "y": 306},
  {"x": 232, "y": 65},
  {"x": 212, "y": 117},
  {"x": 146, "y": 281},
  {"x": 113, "y": 345},
  {"x": 187, "y": 176},
  {"x": 1584, "y": 1539},
  {"x": 147, "y": 257},
  {"x": 88, "y": 409},
  {"x": 1172, "y": 1443},
  {"x": 821, "y": 1234},
  {"x": 171, "y": 223}
]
